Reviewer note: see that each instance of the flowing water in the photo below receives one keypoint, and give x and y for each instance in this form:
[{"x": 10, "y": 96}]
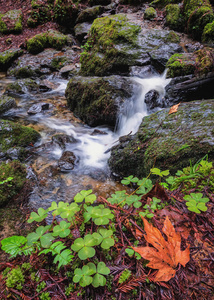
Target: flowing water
[{"x": 90, "y": 145}]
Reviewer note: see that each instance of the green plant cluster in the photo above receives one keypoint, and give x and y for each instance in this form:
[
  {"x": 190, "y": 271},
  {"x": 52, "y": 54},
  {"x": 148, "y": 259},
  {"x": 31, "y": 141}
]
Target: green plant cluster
[{"x": 82, "y": 253}]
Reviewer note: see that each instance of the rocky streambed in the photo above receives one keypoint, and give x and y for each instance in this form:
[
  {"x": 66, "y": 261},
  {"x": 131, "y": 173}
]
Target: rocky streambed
[{"x": 73, "y": 115}]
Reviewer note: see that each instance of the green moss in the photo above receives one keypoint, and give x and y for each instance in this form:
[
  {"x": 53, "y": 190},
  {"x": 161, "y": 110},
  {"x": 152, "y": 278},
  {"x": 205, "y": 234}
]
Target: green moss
[
  {"x": 208, "y": 33},
  {"x": 190, "y": 6},
  {"x": 7, "y": 57},
  {"x": 89, "y": 14},
  {"x": 111, "y": 42},
  {"x": 162, "y": 3},
  {"x": 173, "y": 17},
  {"x": 198, "y": 20},
  {"x": 39, "y": 42},
  {"x": 9, "y": 189},
  {"x": 14, "y": 135},
  {"x": 150, "y": 13},
  {"x": 205, "y": 60},
  {"x": 180, "y": 65},
  {"x": 11, "y": 22},
  {"x": 172, "y": 37},
  {"x": 65, "y": 12}
]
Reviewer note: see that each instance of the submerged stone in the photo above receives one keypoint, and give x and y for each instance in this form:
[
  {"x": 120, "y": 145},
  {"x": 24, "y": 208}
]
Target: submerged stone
[{"x": 167, "y": 141}]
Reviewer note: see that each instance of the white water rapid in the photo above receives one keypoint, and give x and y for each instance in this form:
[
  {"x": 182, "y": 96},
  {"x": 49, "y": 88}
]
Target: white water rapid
[{"x": 93, "y": 150}]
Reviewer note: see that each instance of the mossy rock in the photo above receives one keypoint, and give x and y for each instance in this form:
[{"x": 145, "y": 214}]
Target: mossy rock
[
  {"x": 150, "y": 13},
  {"x": 22, "y": 86},
  {"x": 173, "y": 17},
  {"x": 11, "y": 22},
  {"x": 49, "y": 39},
  {"x": 99, "y": 2},
  {"x": 15, "y": 135},
  {"x": 189, "y": 6},
  {"x": 208, "y": 33},
  {"x": 11, "y": 188},
  {"x": 198, "y": 63},
  {"x": 198, "y": 20},
  {"x": 162, "y": 3},
  {"x": 7, "y": 57},
  {"x": 89, "y": 14},
  {"x": 112, "y": 45},
  {"x": 65, "y": 12},
  {"x": 6, "y": 103},
  {"x": 96, "y": 100},
  {"x": 167, "y": 141}
]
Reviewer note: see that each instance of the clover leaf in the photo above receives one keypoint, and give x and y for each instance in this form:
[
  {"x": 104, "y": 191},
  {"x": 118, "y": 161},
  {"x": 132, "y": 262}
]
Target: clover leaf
[
  {"x": 103, "y": 237},
  {"x": 85, "y": 195},
  {"x": 45, "y": 239},
  {"x": 42, "y": 214},
  {"x": 196, "y": 202},
  {"x": 62, "y": 230},
  {"x": 84, "y": 246},
  {"x": 128, "y": 180},
  {"x": 99, "y": 279},
  {"x": 83, "y": 276}
]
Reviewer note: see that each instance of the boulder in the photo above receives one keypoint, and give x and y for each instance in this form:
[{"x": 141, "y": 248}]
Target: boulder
[
  {"x": 81, "y": 30},
  {"x": 16, "y": 136},
  {"x": 22, "y": 86},
  {"x": 96, "y": 100},
  {"x": 37, "y": 108},
  {"x": 89, "y": 14},
  {"x": 67, "y": 161},
  {"x": 11, "y": 22},
  {"x": 115, "y": 44},
  {"x": 7, "y": 57},
  {"x": 167, "y": 141},
  {"x": 49, "y": 39}
]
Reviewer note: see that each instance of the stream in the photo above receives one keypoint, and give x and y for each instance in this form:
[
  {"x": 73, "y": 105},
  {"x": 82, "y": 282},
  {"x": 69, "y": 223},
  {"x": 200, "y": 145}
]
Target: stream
[{"x": 54, "y": 178}]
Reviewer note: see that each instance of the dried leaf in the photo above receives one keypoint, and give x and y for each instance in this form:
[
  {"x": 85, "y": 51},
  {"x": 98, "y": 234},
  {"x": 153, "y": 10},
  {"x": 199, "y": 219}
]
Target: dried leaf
[
  {"x": 174, "y": 109},
  {"x": 165, "y": 255}
]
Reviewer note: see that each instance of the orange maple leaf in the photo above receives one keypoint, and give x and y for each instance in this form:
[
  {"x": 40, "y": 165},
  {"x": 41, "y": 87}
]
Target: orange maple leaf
[
  {"x": 167, "y": 254},
  {"x": 174, "y": 109}
]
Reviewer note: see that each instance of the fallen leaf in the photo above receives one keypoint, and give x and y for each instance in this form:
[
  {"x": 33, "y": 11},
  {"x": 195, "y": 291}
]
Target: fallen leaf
[
  {"x": 174, "y": 109},
  {"x": 164, "y": 255}
]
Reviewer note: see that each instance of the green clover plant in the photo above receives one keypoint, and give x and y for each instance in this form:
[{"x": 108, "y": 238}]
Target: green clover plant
[
  {"x": 84, "y": 246},
  {"x": 196, "y": 203}
]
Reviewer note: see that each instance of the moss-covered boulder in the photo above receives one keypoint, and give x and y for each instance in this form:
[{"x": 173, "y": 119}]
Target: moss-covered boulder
[
  {"x": 11, "y": 22},
  {"x": 97, "y": 100},
  {"x": 162, "y": 3},
  {"x": 112, "y": 44},
  {"x": 40, "y": 13},
  {"x": 7, "y": 57},
  {"x": 6, "y": 103},
  {"x": 15, "y": 138},
  {"x": 150, "y": 13},
  {"x": 89, "y": 14},
  {"x": 208, "y": 33},
  {"x": 49, "y": 39},
  {"x": 167, "y": 141},
  {"x": 12, "y": 179},
  {"x": 174, "y": 18},
  {"x": 115, "y": 44},
  {"x": 199, "y": 62},
  {"x": 198, "y": 20}
]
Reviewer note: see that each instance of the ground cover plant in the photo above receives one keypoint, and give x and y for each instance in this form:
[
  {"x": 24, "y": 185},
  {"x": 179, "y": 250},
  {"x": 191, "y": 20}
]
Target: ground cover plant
[{"x": 153, "y": 243}]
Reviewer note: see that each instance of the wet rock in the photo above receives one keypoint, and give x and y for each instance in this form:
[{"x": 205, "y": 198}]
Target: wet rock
[
  {"x": 22, "y": 86},
  {"x": 6, "y": 103},
  {"x": 81, "y": 30},
  {"x": 96, "y": 100},
  {"x": 45, "y": 85},
  {"x": 143, "y": 72},
  {"x": 67, "y": 161},
  {"x": 7, "y": 57},
  {"x": 89, "y": 14},
  {"x": 127, "y": 46},
  {"x": 99, "y": 2},
  {"x": 17, "y": 153},
  {"x": 161, "y": 137},
  {"x": 62, "y": 140},
  {"x": 11, "y": 22},
  {"x": 153, "y": 99},
  {"x": 43, "y": 63},
  {"x": 97, "y": 132},
  {"x": 37, "y": 108},
  {"x": 14, "y": 136},
  {"x": 68, "y": 71}
]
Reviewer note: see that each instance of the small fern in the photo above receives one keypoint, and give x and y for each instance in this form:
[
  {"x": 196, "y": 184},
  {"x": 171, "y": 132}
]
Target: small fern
[
  {"x": 124, "y": 276},
  {"x": 64, "y": 257}
]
